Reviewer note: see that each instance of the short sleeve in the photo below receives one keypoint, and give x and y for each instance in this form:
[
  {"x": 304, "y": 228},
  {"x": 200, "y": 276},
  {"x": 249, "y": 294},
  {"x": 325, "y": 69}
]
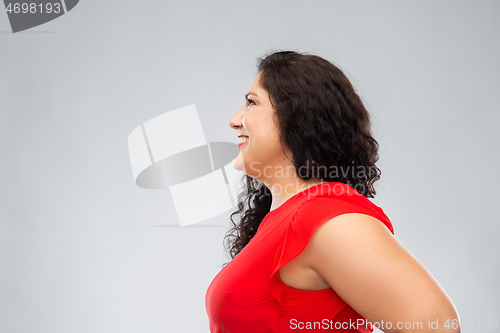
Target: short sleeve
[{"x": 307, "y": 218}]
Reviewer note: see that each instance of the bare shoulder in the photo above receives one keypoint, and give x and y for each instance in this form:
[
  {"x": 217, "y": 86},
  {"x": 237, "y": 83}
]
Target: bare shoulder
[
  {"x": 349, "y": 240},
  {"x": 372, "y": 271}
]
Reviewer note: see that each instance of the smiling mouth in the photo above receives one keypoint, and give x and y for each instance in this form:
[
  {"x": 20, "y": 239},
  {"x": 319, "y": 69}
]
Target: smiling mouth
[{"x": 242, "y": 140}]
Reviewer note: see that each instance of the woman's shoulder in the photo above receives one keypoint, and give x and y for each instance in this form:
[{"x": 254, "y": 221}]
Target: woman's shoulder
[{"x": 329, "y": 200}]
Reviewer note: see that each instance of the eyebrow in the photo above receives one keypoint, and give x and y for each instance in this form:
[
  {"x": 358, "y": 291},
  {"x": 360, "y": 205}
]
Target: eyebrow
[{"x": 251, "y": 93}]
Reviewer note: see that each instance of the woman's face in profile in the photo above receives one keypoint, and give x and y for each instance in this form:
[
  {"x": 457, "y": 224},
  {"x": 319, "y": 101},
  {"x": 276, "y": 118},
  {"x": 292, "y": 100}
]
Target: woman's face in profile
[{"x": 257, "y": 121}]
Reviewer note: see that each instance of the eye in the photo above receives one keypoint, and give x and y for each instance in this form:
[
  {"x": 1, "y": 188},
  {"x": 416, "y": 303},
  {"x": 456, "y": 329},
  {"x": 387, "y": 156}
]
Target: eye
[{"x": 250, "y": 102}]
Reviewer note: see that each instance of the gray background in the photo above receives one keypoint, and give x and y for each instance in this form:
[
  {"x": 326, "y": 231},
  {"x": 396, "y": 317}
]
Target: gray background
[{"x": 78, "y": 249}]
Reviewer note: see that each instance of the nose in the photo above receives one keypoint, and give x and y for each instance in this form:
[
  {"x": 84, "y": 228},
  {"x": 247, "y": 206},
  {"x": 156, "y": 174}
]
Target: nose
[{"x": 236, "y": 121}]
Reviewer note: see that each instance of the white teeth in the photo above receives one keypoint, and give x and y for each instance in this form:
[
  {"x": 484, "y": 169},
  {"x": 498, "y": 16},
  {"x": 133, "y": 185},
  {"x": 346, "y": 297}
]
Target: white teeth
[{"x": 242, "y": 139}]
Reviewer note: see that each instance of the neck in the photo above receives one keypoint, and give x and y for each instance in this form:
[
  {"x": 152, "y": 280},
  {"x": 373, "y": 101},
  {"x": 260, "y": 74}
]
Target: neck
[{"x": 283, "y": 189}]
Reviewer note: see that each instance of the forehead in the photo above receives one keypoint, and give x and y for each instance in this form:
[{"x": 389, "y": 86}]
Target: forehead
[{"x": 255, "y": 87}]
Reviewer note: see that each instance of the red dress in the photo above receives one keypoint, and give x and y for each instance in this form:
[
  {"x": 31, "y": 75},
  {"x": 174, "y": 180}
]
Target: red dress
[{"x": 248, "y": 296}]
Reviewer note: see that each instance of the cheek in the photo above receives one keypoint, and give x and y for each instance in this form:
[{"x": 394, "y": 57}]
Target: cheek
[
  {"x": 272, "y": 133},
  {"x": 261, "y": 129}
]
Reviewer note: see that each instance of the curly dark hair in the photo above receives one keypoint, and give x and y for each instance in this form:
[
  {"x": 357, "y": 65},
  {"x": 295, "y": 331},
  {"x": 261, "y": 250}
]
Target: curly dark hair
[{"x": 323, "y": 123}]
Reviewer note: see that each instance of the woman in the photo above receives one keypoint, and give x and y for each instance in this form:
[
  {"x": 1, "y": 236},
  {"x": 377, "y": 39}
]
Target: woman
[{"x": 310, "y": 251}]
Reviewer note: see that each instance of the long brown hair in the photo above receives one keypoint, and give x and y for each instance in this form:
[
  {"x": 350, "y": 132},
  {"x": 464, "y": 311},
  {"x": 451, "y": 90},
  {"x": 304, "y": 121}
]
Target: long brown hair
[{"x": 323, "y": 123}]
